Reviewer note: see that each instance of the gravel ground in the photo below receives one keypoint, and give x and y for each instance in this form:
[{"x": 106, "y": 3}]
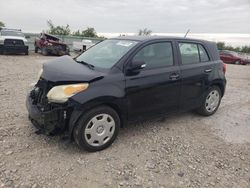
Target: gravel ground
[{"x": 184, "y": 150}]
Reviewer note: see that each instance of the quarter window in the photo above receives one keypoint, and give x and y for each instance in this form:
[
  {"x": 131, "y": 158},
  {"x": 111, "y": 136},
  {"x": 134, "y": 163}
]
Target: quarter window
[
  {"x": 203, "y": 54},
  {"x": 156, "y": 55},
  {"x": 192, "y": 53}
]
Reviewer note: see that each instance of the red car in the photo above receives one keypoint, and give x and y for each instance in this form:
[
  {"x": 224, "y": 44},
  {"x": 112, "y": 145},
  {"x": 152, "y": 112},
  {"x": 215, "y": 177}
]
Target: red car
[
  {"x": 49, "y": 44},
  {"x": 232, "y": 57}
]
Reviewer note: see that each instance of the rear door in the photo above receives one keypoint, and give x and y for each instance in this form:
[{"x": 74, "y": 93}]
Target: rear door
[
  {"x": 156, "y": 89},
  {"x": 197, "y": 71}
]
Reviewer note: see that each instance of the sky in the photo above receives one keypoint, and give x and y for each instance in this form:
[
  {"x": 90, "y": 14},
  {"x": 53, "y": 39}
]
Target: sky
[{"x": 128, "y": 16}]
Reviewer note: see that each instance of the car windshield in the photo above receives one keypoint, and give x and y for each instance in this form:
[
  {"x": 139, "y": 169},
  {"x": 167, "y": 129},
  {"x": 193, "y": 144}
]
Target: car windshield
[
  {"x": 12, "y": 33},
  {"x": 107, "y": 53}
]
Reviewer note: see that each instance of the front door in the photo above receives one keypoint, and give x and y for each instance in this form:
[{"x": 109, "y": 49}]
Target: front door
[{"x": 155, "y": 90}]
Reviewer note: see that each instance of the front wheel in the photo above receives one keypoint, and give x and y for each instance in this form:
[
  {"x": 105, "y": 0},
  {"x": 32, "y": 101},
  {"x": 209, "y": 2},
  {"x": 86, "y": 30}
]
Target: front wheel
[
  {"x": 237, "y": 62},
  {"x": 97, "y": 128},
  {"x": 211, "y": 102},
  {"x": 44, "y": 51},
  {"x": 36, "y": 49}
]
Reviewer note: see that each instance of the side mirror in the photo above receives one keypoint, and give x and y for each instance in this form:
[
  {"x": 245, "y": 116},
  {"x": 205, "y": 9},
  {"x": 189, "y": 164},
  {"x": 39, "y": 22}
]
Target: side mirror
[{"x": 135, "y": 67}]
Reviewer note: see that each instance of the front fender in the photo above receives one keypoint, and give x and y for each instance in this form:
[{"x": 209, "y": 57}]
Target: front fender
[{"x": 110, "y": 95}]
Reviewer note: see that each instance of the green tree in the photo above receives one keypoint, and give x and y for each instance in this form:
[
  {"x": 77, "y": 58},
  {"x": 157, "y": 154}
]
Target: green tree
[
  {"x": 58, "y": 30},
  {"x": 89, "y": 32},
  {"x": 77, "y": 33},
  {"x": 245, "y": 49},
  {"x": 221, "y": 45},
  {"x": 2, "y": 24},
  {"x": 144, "y": 32}
]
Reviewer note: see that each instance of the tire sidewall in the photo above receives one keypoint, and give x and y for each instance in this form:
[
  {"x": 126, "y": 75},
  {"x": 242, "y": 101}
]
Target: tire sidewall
[
  {"x": 207, "y": 113},
  {"x": 237, "y": 62},
  {"x": 44, "y": 51},
  {"x": 79, "y": 131}
]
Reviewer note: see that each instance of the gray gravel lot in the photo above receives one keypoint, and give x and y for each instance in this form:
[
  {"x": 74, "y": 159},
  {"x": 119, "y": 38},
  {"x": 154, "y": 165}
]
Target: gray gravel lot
[{"x": 184, "y": 150}]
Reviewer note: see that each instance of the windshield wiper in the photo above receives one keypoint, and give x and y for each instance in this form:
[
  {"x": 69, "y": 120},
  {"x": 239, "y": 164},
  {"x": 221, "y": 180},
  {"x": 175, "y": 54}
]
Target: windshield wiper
[{"x": 87, "y": 64}]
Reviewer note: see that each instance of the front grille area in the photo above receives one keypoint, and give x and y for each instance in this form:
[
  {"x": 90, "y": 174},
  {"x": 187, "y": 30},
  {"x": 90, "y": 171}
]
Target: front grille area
[
  {"x": 39, "y": 94},
  {"x": 13, "y": 42},
  {"x": 61, "y": 47}
]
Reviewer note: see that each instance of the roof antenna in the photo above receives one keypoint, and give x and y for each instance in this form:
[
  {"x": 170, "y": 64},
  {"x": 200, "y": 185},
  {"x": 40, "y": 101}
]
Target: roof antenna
[{"x": 186, "y": 33}]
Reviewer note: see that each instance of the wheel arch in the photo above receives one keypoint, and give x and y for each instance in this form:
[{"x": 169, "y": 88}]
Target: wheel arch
[
  {"x": 112, "y": 102},
  {"x": 221, "y": 86}
]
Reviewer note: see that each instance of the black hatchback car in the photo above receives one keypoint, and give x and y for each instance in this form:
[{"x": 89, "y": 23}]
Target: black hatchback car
[{"x": 125, "y": 79}]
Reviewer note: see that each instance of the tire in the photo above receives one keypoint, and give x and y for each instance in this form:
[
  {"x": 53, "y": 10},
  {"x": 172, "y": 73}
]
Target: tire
[
  {"x": 91, "y": 134},
  {"x": 36, "y": 49},
  {"x": 209, "y": 107},
  {"x": 237, "y": 62},
  {"x": 44, "y": 51},
  {"x": 26, "y": 52}
]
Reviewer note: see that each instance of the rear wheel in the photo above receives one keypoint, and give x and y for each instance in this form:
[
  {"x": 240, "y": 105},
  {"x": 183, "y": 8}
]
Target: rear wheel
[
  {"x": 211, "y": 102},
  {"x": 36, "y": 49},
  {"x": 97, "y": 128}
]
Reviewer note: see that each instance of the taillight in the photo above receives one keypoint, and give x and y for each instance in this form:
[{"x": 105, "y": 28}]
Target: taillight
[{"x": 224, "y": 67}]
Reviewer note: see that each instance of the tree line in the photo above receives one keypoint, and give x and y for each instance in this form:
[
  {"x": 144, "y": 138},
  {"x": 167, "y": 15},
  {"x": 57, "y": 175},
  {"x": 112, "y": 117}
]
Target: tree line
[
  {"x": 65, "y": 30},
  {"x": 90, "y": 32},
  {"x": 223, "y": 46}
]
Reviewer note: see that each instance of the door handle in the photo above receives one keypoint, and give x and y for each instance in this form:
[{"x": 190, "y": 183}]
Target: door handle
[
  {"x": 174, "y": 76},
  {"x": 208, "y": 70}
]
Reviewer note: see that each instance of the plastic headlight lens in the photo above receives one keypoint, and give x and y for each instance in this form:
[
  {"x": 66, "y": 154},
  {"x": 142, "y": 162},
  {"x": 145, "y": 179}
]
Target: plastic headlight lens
[{"x": 60, "y": 94}]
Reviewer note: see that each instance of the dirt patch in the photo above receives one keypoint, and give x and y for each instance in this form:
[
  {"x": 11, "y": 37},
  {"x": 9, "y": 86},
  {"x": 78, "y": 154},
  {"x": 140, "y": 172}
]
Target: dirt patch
[{"x": 184, "y": 150}]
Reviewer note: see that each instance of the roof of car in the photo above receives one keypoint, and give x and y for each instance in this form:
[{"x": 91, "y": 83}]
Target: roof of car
[
  {"x": 210, "y": 45},
  {"x": 148, "y": 38}
]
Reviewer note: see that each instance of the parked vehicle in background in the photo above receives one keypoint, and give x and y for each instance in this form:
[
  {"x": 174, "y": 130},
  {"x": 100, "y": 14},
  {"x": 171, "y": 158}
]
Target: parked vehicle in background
[
  {"x": 232, "y": 57},
  {"x": 49, "y": 44},
  {"x": 13, "y": 41},
  {"x": 125, "y": 79},
  {"x": 82, "y": 46}
]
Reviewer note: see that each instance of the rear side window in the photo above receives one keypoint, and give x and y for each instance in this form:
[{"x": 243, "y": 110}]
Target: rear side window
[
  {"x": 156, "y": 55},
  {"x": 192, "y": 53},
  {"x": 203, "y": 54}
]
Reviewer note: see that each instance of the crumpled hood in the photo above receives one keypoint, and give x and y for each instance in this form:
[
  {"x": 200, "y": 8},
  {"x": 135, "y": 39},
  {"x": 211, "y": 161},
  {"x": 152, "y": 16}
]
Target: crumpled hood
[
  {"x": 65, "y": 69},
  {"x": 13, "y": 37},
  {"x": 57, "y": 42}
]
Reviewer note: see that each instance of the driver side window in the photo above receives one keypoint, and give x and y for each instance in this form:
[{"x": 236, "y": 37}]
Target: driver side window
[{"x": 156, "y": 55}]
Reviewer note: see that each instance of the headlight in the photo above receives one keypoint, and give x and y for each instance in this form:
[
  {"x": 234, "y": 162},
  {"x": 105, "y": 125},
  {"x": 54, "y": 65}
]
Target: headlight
[
  {"x": 40, "y": 74},
  {"x": 60, "y": 94}
]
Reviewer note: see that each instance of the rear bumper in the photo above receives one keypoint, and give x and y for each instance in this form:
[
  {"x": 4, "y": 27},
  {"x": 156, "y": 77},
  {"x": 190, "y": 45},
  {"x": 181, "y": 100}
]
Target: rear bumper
[
  {"x": 13, "y": 49},
  {"x": 49, "y": 121}
]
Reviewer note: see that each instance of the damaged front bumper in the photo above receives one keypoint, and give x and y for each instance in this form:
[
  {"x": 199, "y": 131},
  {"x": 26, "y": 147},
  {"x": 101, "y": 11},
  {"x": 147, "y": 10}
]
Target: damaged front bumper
[
  {"x": 58, "y": 50},
  {"x": 47, "y": 117}
]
